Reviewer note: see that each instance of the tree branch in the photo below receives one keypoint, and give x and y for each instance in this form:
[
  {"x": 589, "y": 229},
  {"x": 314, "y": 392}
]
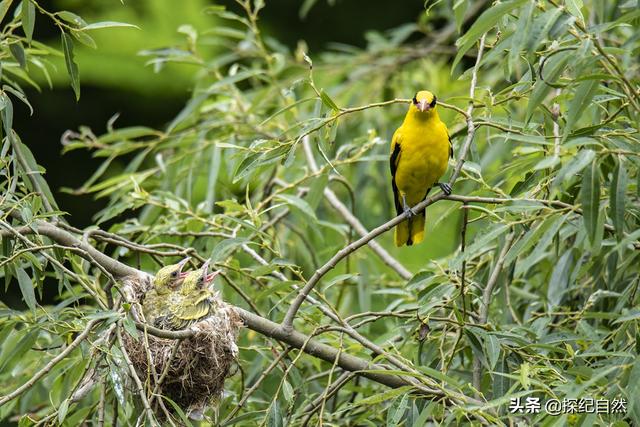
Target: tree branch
[{"x": 261, "y": 325}]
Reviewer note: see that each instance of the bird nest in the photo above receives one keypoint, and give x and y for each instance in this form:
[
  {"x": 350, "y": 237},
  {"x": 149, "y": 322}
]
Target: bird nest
[{"x": 196, "y": 367}]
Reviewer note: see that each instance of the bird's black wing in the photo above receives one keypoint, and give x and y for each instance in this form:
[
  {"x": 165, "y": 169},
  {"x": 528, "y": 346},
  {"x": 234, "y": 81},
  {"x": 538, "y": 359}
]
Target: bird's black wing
[
  {"x": 393, "y": 163},
  {"x": 450, "y": 146}
]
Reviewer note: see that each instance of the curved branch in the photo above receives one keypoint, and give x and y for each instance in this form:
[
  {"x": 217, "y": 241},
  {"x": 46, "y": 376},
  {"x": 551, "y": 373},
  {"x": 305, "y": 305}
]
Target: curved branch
[{"x": 63, "y": 237}]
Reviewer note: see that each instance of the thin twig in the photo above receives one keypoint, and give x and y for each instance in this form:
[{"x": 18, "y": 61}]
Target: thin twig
[
  {"x": 486, "y": 302},
  {"x": 255, "y": 386}
]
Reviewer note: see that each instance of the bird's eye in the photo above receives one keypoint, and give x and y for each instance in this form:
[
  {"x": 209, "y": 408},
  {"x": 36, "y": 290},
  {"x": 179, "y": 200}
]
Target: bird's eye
[
  {"x": 433, "y": 103},
  {"x": 174, "y": 274},
  {"x": 415, "y": 100}
]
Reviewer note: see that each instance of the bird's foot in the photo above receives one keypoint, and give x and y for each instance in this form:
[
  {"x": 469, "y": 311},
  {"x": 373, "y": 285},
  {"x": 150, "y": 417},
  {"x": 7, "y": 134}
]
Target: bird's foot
[
  {"x": 409, "y": 212},
  {"x": 446, "y": 188}
]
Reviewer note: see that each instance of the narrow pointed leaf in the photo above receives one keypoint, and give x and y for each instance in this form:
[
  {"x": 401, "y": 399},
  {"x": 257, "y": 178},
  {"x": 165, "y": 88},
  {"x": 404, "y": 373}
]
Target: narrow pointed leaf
[
  {"x": 69, "y": 60},
  {"x": 581, "y": 100},
  {"x": 28, "y": 18},
  {"x": 26, "y": 287},
  {"x": 617, "y": 198},
  {"x": 590, "y": 198}
]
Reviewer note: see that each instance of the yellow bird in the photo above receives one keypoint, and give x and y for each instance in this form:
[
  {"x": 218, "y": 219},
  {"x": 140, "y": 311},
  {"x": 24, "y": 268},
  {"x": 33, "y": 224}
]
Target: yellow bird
[
  {"x": 166, "y": 281},
  {"x": 191, "y": 303},
  {"x": 420, "y": 151}
]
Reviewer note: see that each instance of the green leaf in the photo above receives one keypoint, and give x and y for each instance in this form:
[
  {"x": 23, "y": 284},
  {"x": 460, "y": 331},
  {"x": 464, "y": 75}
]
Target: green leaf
[
  {"x": 130, "y": 327},
  {"x": 518, "y": 38},
  {"x": 107, "y": 24},
  {"x": 480, "y": 244},
  {"x": 18, "y": 53},
  {"x": 19, "y": 95},
  {"x": 26, "y": 287},
  {"x": 459, "y": 10},
  {"x": 540, "y": 28},
  {"x": 274, "y": 417},
  {"x": 305, "y": 8},
  {"x": 475, "y": 337},
  {"x": 26, "y": 421},
  {"x": 590, "y": 198},
  {"x": 7, "y": 113},
  {"x": 34, "y": 170},
  {"x": 62, "y": 410},
  {"x": 28, "y": 16},
  {"x": 10, "y": 355},
  {"x": 574, "y": 6},
  {"x": 617, "y": 198},
  {"x": 299, "y": 204},
  {"x": 492, "y": 350},
  {"x": 485, "y": 22},
  {"x": 72, "y": 67},
  {"x": 71, "y": 18},
  {"x": 396, "y": 411},
  {"x": 316, "y": 191},
  {"x": 501, "y": 383},
  {"x": 541, "y": 245},
  {"x": 183, "y": 417},
  {"x": 547, "y": 163},
  {"x": 574, "y": 167},
  {"x": 326, "y": 100},
  {"x": 4, "y": 7},
  {"x": 559, "y": 279},
  {"x": 287, "y": 391},
  {"x": 581, "y": 100},
  {"x": 85, "y": 39},
  {"x": 225, "y": 247},
  {"x": 385, "y": 395}
]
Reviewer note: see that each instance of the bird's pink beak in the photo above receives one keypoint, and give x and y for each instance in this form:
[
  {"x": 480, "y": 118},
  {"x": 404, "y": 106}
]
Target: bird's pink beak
[
  {"x": 423, "y": 106},
  {"x": 210, "y": 277}
]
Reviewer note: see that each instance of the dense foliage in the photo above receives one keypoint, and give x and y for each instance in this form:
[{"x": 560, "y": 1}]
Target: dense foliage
[{"x": 525, "y": 286}]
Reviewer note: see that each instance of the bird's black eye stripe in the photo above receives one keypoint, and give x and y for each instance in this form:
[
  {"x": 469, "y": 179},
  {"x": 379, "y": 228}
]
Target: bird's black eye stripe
[{"x": 433, "y": 103}]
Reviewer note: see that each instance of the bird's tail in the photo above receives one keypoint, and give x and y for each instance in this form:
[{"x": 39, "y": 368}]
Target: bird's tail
[{"x": 410, "y": 231}]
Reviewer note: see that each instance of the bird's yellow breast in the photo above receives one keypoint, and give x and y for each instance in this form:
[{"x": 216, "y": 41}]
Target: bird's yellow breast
[{"x": 424, "y": 156}]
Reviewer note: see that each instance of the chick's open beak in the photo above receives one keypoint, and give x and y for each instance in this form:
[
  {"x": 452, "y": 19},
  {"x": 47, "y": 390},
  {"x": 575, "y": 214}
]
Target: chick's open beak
[
  {"x": 210, "y": 277},
  {"x": 181, "y": 265},
  {"x": 423, "y": 106},
  {"x": 206, "y": 276}
]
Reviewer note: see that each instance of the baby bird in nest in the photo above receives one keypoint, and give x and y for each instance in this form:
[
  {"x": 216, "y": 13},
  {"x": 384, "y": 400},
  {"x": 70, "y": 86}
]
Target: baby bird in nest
[
  {"x": 192, "y": 302},
  {"x": 166, "y": 281}
]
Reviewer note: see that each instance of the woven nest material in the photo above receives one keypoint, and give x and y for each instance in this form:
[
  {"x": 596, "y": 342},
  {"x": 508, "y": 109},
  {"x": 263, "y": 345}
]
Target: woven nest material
[{"x": 196, "y": 374}]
